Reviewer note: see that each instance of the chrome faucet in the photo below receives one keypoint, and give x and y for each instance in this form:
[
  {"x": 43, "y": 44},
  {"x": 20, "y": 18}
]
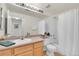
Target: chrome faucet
[
  {"x": 28, "y": 34},
  {"x": 22, "y": 38}
]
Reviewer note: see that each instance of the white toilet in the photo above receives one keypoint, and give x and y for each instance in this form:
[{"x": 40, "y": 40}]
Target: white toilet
[{"x": 50, "y": 48}]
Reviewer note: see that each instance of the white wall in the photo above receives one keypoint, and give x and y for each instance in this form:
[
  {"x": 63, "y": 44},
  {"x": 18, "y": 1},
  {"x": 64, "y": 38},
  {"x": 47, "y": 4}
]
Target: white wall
[
  {"x": 51, "y": 27},
  {"x": 28, "y": 22},
  {"x": 42, "y": 27}
]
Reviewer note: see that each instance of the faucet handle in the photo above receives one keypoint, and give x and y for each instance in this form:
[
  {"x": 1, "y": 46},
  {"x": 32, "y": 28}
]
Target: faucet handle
[{"x": 28, "y": 34}]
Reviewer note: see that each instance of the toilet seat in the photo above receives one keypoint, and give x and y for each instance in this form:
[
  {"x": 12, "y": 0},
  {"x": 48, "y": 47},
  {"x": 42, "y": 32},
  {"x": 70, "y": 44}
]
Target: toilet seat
[{"x": 50, "y": 47}]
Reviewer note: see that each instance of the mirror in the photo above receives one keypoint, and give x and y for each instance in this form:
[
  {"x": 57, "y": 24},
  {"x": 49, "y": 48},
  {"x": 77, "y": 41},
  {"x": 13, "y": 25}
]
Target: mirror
[
  {"x": 20, "y": 24},
  {"x": 17, "y": 21}
]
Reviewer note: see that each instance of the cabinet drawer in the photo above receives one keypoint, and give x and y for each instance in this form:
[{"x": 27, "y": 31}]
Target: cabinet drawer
[
  {"x": 22, "y": 49},
  {"x": 38, "y": 51},
  {"x": 5, "y": 52},
  {"x": 38, "y": 44},
  {"x": 29, "y": 53}
]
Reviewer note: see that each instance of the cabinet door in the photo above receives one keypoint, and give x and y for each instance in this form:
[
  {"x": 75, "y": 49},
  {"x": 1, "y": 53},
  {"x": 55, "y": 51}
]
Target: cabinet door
[
  {"x": 28, "y": 53},
  {"x": 38, "y": 44},
  {"x": 23, "y": 49},
  {"x": 6, "y": 52},
  {"x": 38, "y": 51}
]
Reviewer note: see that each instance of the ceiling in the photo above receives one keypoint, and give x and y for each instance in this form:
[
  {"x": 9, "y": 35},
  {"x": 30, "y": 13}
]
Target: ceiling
[
  {"x": 55, "y": 8},
  {"x": 16, "y": 9}
]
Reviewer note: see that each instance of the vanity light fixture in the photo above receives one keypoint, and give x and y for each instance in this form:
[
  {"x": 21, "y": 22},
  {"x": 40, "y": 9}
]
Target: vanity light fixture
[{"x": 30, "y": 7}]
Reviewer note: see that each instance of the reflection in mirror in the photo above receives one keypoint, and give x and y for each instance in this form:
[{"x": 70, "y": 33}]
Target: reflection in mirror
[
  {"x": 16, "y": 26},
  {"x": 0, "y": 18}
]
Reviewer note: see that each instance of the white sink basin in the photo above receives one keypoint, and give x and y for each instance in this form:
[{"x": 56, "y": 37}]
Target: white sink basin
[{"x": 25, "y": 40}]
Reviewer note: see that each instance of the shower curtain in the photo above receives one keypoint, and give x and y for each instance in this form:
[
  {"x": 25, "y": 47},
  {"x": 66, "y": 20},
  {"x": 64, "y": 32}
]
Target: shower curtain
[{"x": 68, "y": 32}]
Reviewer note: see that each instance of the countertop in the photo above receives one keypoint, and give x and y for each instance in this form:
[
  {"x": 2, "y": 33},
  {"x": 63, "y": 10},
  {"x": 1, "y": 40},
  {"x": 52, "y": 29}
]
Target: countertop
[{"x": 34, "y": 39}]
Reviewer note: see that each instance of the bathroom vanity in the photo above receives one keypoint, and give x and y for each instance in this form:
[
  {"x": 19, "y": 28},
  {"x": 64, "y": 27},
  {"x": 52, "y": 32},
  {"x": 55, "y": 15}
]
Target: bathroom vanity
[{"x": 33, "y": 48}]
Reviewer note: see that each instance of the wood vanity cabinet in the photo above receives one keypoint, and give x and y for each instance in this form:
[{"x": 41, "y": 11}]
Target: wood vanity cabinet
[
  {"x": 25, "y": 50},
  {"x": 33, "y": 49},
  {"x": 29, "y": 53},
  {"x": 7, "y": 52}
]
